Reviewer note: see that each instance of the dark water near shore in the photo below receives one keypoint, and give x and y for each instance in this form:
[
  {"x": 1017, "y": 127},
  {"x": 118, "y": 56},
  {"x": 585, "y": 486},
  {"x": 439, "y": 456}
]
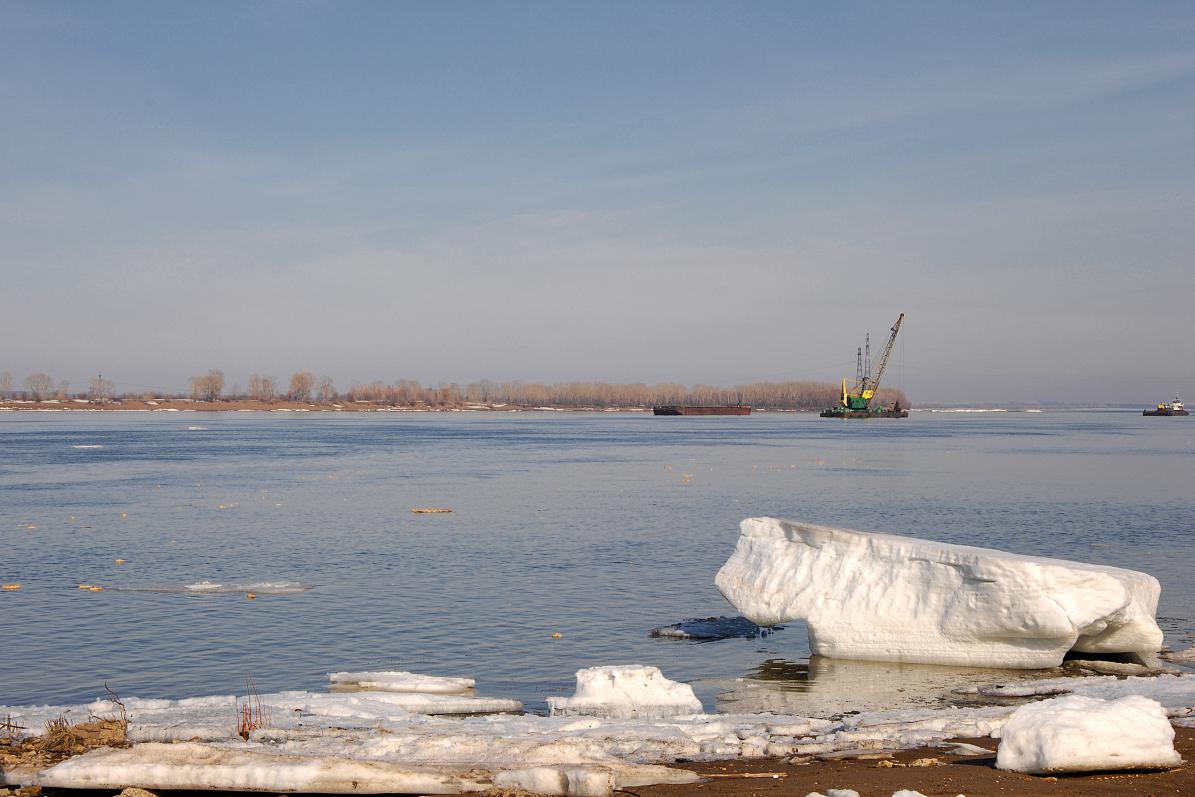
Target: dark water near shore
[{"x": 596, "y": 526}]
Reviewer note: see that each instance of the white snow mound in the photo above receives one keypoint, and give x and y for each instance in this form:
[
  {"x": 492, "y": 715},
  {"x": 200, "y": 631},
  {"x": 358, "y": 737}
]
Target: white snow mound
[
  {"x": 1085, "y": 734},
  {"x": 626, "y": 692},
  {"x": 882, "y": 597}
]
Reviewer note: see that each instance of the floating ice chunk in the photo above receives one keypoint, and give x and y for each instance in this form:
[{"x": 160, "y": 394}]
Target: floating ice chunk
[
  {"x": 88, "y": 446},
  {"x": 258, "y": 587},
  {"x": 626, "y": 691},
  {"x": 712, "y": 628},
  {"x": 888, "y": 598},
  {"x": 1176, "y": 693},
  {"x": 1186, "y": 656},
  {"x": 1083, "y": 734},
  {"x": 398, "y": 681}
]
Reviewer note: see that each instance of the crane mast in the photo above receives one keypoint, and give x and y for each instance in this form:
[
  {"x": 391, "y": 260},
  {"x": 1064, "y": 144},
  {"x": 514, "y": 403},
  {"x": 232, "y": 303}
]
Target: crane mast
[
  {"x": 856, "y": 402},
  {"x": 870, "y": 385}
]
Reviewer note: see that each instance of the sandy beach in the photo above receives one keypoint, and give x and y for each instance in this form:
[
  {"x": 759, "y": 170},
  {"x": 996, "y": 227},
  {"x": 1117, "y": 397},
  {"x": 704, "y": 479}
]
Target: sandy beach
[{"x": 973, "y": 776}]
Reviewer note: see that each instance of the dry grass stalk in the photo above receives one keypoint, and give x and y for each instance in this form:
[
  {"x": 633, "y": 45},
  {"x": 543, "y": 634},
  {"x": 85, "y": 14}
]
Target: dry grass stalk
[
  {"x": 251, "y": 713},
  {"x": 8, "y": 726},
  {"x": 121, "y": 722},
  {"x": 60, "y": 735}
]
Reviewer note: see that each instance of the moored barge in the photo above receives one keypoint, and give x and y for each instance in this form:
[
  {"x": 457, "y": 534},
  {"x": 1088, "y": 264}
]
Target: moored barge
[{"x": 680, "y": 409}]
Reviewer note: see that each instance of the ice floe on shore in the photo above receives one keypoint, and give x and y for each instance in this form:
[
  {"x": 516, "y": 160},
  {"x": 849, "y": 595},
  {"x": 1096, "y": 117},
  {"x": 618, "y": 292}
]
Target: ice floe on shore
[
  {"x": 323, "y": 742},
  {"x": 626, "y": 692},
  {"x": 1085, "y": 734},
  {"x": 888, "y": 598}
]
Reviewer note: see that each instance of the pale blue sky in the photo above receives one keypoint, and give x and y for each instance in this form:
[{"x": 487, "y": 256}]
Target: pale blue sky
[{"x": 618, "y": 191}]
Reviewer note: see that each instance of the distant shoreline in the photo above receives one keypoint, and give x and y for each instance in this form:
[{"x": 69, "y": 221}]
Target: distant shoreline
[
  {"x": 284, "y": 405},
  {"x": 287, "y": 405}
]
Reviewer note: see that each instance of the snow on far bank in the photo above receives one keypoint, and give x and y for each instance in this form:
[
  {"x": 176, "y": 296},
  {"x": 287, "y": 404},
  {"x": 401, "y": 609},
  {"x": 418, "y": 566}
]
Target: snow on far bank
[
  {"x": 1085, "y": 734},
  {"x": 882, "y": 597},
  {"x": 626, "y": 691}
]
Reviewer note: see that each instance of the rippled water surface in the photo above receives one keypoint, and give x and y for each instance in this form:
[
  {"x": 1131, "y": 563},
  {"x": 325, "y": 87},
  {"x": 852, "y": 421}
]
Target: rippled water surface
[{"x": 596, "y": 526}]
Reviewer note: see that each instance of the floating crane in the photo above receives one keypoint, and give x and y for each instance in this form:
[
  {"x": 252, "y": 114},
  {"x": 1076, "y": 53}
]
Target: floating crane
[{"x": 856, "y": 402}]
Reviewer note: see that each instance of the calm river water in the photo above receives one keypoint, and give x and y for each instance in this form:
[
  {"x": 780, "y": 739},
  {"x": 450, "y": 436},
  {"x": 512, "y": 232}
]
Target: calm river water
[{"x": 596, "y": 526}]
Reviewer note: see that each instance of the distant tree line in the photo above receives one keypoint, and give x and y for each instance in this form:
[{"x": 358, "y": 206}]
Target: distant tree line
[
  {"x": 606, "y": 395},
  {"x": 306, "y": 387}
]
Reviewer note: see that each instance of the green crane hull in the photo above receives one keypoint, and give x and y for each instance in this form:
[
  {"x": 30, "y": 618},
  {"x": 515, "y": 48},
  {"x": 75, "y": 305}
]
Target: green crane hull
[{"x": 843, "y": 412}]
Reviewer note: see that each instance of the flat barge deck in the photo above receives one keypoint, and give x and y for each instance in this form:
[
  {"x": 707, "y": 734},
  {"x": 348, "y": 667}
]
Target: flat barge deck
[{"x": 680, "y": 409}]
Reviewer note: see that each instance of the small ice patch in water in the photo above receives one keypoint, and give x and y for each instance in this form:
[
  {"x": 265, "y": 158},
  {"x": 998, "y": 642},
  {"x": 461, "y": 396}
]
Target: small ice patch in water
[
  {"x": 704, "y": 628},
  {"x": 258, "y": 587},
  {"x": 88, "y": 446},
  {"x": 196, "y": 428},
  {"x": 213, "y": 588},
  {"x": 400, "y": 681}
]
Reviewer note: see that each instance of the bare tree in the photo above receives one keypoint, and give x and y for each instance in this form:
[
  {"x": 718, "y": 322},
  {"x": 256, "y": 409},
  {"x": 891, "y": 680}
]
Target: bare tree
[
  {"x": 327, "y": 391},
  {"x": 101, "y": 389},
  {"x": 262, "y": 388},
  {"x": 5, "y": 385},
  {"x": 40, "y": 385},
  {"x": 300, "y": 386},
  {"x": 207, "y": 387}
]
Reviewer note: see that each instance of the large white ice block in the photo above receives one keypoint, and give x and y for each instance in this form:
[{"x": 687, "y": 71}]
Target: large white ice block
[
  {"x": 1086, "y": 734},
  {"x": 627, "y": 691},
  {"x": 882, "y": 597}
]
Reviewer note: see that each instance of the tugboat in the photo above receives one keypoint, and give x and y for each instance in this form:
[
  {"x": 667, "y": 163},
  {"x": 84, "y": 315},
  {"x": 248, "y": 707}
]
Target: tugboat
[{"x": 1173, "y": 408}]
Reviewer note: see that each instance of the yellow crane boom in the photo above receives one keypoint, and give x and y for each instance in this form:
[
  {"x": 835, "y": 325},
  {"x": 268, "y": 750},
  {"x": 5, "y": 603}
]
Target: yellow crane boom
[{"x": 872, "y": 385}]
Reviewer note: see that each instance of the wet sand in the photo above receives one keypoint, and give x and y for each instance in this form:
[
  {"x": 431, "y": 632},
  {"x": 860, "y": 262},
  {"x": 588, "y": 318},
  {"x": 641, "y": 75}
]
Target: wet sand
[{"x": 973, "y": 776}]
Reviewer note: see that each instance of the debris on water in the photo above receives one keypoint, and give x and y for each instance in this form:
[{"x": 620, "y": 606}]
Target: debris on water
[
  {"x": 250, "y": 595},
  {"x": 430, "y": 510},
  {"x": 91, "y": 587},
  {"x": 119, "y": 561},
  {"x": 10, "y": 587},
  {"x": 705, "y": 628},
  {"x": 557, "y": 635}
]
